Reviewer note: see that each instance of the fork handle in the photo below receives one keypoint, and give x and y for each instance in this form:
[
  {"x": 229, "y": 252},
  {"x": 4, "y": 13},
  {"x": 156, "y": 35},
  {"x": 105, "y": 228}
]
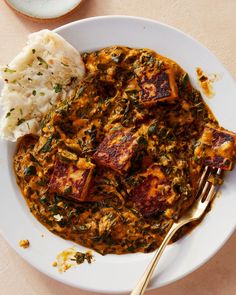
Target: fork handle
[{"x": 143, "y": 282}]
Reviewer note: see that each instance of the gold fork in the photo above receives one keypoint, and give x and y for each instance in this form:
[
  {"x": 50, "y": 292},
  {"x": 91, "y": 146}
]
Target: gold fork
[{"x": 205, "y": 193}]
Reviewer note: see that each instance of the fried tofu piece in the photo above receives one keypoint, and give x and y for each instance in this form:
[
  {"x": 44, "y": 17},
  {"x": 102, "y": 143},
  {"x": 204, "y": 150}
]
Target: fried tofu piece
[
  {"x": 154, "y": 193},
  {"x": 217, "y": 148},
  {"x": 157, "y": 87},
  {"x": 116, "y": 151},
  {"x": 71, "y": 179}
]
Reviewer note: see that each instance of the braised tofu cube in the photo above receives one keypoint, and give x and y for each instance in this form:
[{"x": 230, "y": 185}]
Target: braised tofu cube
[
  {"x": 216, "y": 148},
  {"x": 154, "y": 194},
  {"x": 157, "y": 87},
  {"x": 116, "y": 151},
  {"x": 71, "y": 179}
]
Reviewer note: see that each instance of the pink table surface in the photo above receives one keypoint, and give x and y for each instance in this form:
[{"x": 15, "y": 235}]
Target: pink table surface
[{"x": 212, "y": 22}]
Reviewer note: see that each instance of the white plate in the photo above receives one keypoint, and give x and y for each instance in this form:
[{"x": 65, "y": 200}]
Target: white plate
[
  {"x": 112, "y": 273},
  {"x": 43, "y": 9}
]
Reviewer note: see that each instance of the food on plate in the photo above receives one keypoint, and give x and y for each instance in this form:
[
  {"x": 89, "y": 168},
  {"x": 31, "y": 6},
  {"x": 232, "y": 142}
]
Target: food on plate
[
  {"x": 116, "y": 150},
  {"x": 216, "y": 148},
  {"x": 118, "y": 161},
  {"x": 71, "y": 179},
  {"x": 70, "y": 258},
  {"x": 43, "y": 73},
  {"x": 156, "y": 87},
  {"x": 154, "y": 194},
  {"x": 24, "y": 244},
  {"x": 206, "y": 82}
]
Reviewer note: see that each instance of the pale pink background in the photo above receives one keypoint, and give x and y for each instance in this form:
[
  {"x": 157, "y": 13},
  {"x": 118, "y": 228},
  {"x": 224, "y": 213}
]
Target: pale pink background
[{"x": 212, "y": 22}]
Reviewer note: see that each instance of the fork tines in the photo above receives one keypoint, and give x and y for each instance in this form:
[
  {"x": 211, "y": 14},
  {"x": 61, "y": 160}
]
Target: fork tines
[{"x": 206, "y": 187}]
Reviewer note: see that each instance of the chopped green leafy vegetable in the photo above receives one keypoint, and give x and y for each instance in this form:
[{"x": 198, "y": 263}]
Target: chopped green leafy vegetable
[
  {"x": 152, "y": 129},
  {"x": 142, "y": 141},
  {"x": 7, "y": 70},
  {"x": 8, "y": 114},
  {"x": 42, "y": 62},
  {"x": 20, "y": 121},
  {"x": 57, "y": 88},
  {"x": 185, "y": 80},
  {"x": 31, "y": 170},
  {"x": 65, "y": 65},
  {"x": 47, "y": 146}
]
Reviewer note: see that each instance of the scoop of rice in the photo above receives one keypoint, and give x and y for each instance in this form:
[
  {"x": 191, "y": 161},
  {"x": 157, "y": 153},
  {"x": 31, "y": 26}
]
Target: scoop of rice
[{"x": 38, "y": 77}]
